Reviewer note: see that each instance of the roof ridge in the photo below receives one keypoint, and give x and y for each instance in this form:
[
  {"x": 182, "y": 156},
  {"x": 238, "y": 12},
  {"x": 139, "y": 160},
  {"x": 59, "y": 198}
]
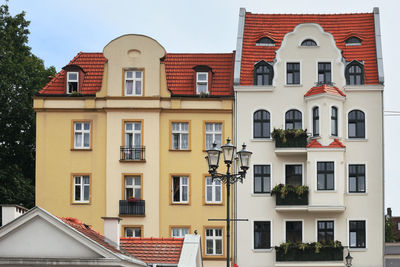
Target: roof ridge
[{"x": 312, "y": 14}]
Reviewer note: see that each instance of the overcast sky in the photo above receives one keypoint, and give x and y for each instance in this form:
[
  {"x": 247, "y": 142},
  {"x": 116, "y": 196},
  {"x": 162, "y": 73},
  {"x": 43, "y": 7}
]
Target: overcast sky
[{"x": 60, "y": 29}]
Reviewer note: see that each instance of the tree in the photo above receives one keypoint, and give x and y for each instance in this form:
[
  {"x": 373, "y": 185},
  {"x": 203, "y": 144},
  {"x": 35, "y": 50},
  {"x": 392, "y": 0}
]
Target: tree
[
  {"x": 22, "y": 75},
  {"x": 389, "y": 230}
]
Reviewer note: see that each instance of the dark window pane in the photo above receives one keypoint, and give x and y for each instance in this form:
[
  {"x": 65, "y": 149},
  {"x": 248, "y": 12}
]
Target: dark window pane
[
  {"x": 356, "y": 124},
  {"x": 261, "y": 124},
  {"x": 263, "y": 73},
  {"x": 294, "y": 232},
  {"x": 262, "y": 235},
  {"x": 293, "y": 119},
  {"x": 262, "y": 179},
  {"x": 294, "y": 175},
  {"x": 325, "y": 176}
]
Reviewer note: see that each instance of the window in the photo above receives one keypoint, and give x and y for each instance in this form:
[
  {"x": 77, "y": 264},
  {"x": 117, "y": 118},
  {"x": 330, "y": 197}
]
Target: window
[
  {"x": 261, "y": 124},
  {"x": 263, "y": 73},
  {"x": 354, "y": 73},
  {"x": 353, "y": 41},
  {"x": 133, "y": 232},
  {"x": 398, "y": 226},
  {"x": 133, "y": 141},
  {"x": 357, "y": 234},
  {"x": 294, "y": 174},
  {"x": 179, "y": 232},
  {"x": 213, "y": 241},
  {"x": 262, "y": 179},
  {"x": 82, "y": 135},
  {"x": 315, "y": 119},
  {"x": 262, "y": 235},
  {"x": 213, "y": 191},
  {"x": 265, "y": 41},
  {"x": 72, "y": 82},
  {"x": 334, "y": 121},
  {"x": 324, "y": 73},
  {"x": 133, "y": 187},
  {"x": 325, "y": 231},
  {"x": 180, "y": 189},
  {"x": 294, "y": 231},
  {"x": 293, "y": 73},
  {"x": 202, "y": 82},
  {"x": 81, "y": 188},
  {"x": 133, "y": 83},
  {"x": 180, "y": 135},
  {"x": 213, "y": 134},
  {"x": 356, "y": 122},
  {"x": 308, "y": 42},
  {"x": 356, "y": 178},
  {"x": 293, "y": 119},
  {"x": 325, "y": 176}
]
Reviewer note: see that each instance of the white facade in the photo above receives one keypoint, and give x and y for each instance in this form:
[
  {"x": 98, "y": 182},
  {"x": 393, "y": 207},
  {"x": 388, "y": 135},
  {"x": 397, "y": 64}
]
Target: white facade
[{"x": 337, "y": 205}]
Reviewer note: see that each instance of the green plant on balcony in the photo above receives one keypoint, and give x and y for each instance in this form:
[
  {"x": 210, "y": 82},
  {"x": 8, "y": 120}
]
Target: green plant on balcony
[
  {"x": 283, "y": 190},
  {"x": 315, "y": 251},
  {"x": 290, "y": 137}
]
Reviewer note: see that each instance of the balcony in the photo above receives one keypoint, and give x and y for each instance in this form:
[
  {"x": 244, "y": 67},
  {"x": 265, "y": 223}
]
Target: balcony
[
  {"x": 310, "y": 252},
  {"x": 288, "y": 197},
  {"x": 290, "y": 141},
  {"x": 128, "y": 208},
  {"x": 132, "y": 153}
]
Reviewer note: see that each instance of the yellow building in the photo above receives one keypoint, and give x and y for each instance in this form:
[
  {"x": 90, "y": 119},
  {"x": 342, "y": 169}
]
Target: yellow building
[{"x": 123, "y": 133}]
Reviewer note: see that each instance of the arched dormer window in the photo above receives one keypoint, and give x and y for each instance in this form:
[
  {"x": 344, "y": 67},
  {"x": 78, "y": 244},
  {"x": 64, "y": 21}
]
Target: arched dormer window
[
  {"x": 308, "y": 42},
  {"x": 263, "y": 73},
  {"x": 356, "y": 124},
  {"x": 353, "y": 41},
  {"x": 261, "y": 124},
  {"x": 354, "y": 73},
  {"x": 293, "y": 119},
  {"x": 265, "y": 41}
]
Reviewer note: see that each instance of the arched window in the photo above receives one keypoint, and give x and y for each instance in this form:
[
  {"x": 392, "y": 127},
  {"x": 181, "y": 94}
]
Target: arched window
[
  {"x": 334, "y": 121},
  {"x": 353, "y": 41},
  {"x": 265, "y": 41},
  {"x": 356, "y": 124},
  {"x": 293, "y": 119},
  {"x": 308, "y": 42},
  {"x": 315, "y": 119},
  {"x": 261, "y": 124},
  {"x": 263, "y": 73},
  {"x": 354, "y": 73}
]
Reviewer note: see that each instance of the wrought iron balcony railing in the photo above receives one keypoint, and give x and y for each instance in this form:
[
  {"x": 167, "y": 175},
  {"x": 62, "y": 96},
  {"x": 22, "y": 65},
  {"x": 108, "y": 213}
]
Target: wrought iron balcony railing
[
  {"x": 294, "y": 253},
  {"x": 292, "y": 198},
  {"x": 290, "y": 138},
  {"x": 132, "y": 208},
  {"x": 132, "y": 153}
]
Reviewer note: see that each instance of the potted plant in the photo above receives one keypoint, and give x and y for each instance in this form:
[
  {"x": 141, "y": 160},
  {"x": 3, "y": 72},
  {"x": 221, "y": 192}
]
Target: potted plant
[{"x": 132, "y": 199}]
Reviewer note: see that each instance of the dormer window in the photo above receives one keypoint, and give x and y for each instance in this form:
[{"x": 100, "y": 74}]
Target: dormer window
[
  {"x": 263, "y": 73},
  {"x": 354, "y": 73},
  {"x": 72, "y": 82},
  {"x": 353, "y": 41},
  {"x": 133, "y": 83},
  {"x": 308, "y": 42},
  {"x": 202, "y": 83},
  {"x": 265, "y": 41}
]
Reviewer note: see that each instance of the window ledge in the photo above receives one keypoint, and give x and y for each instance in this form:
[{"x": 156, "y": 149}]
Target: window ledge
[
  {"x": 179, "y": 150},
  {"x": 81, "y": 149},
  {"x": 213, "y": 204},
  {"x": 325, "y": 191},
  {"x": 293, "y": 85},
  {"x": 335, "y": 137},
  {"x": 261, "y": 195},
  {"x": 179, "y": 204},
  {"x": 356, "y": 139},
  {"x": 357, "y": 194},
  {"x": 308, "y": 46},
  {"x": 80, "y": 203},
  {"x": 358, "y": 249},
  {"x": 131, "y": 160},
  {"x": 266, "y": 250},
  {"x": 131, "y": 215},
  {"x": 216, "y": 257},
  {"x": 261, "y": 140}
]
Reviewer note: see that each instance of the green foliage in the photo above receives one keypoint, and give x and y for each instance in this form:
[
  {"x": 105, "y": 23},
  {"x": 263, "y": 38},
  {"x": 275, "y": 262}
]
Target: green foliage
[
  {"x": 316, "y": 246},
  {"x": 283, "y": 190},
  {"x": 22, "y": 75},
  {"x": 284, "y": 135},
  {"x": 389, "y": 230}
]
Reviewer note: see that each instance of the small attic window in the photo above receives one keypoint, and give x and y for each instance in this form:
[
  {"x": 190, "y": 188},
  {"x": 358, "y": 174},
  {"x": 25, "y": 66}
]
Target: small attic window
[
  {"x": 265, "y": 41},
  {"x": 72, "y": 81},
  {"x": 308, "y": 42},
  {"x": 353, "y": 41},
  {"x": 202, "y": 83}
]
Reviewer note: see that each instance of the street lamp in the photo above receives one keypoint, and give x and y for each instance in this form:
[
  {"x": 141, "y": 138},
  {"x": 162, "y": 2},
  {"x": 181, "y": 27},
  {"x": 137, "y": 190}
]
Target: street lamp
[
  {"x": 228, "y": 151},
  {"x": 348, "y": 258}
]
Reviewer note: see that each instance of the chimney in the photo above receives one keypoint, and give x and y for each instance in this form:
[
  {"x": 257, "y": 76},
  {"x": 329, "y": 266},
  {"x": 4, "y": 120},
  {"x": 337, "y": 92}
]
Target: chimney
[
  {"x": 112, "y": 230},
  {"x": 389, "y": 212}
]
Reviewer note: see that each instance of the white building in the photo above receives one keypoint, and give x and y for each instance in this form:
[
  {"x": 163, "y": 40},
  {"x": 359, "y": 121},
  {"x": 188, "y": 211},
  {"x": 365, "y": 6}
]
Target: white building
[{"x": 322, "y": 73}]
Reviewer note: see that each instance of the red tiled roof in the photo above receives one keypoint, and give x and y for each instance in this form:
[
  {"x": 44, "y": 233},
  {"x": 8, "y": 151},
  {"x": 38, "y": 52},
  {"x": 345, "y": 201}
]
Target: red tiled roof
[
  {"x": 335, "y": 144},
  {"x": 341, "y": 26},
  {"x": 181, "y": 76},
  {"x": 93, "y": 66},
  {"x": 154, "y": 250},
  {"x": 89, "y": 232},
  {"x": 328, "y": 89}
]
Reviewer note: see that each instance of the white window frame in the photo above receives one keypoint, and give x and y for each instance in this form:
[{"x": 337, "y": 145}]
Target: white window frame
[
  {"x": 180, "y": 132},
  {"x": 348, "y": 234},
  {"x": 134, "y": 232},
  {"x": 293, "y": 108},
  {"x": 134, "y": 79},
  {"x": 213, "y": 133},
  {"x": 324, "y": 61},
  {"x": 334, "y": 176},
  {"x": 284, "y": 172},
  {"x": 293, "y": 220},
  {"x": 82, "y": 133},
  {"x": 82, "y": 188},
  {"x": 70, "y": 80},
  {"x": 214, "y": 238},
  {"x": 214, "y": 188},
  {"x": 270, "y": 235},
  {"x": 365, "y": 122},
  {"x": 133, "y": 132},
  {"x": 181, "y": 185},
  {"x": 180, "y": 230},
  {"x": 365, "y": 177},
  {"x": 201, "y": 82},
  {"x": 133, "y": 186},
  {"x": 325, "y": 219},
  {"x": 293, "y": 84}
]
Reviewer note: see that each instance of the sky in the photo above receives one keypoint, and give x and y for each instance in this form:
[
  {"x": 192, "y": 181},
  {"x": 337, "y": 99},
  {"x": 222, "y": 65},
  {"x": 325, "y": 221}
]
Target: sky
[{"x": 60, "y": 29}]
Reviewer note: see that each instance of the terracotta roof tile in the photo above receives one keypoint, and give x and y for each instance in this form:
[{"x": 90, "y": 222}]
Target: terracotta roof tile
[
  {"x": 324, "y": 88},
  {"x": 335, "y": 144},
  {"x": 314, "y": 144},
  {"x": 181, "y": 77},
  {"x": 93, "y": 66},
  {"x": 341, "y": 26},
  {"x": 154, "y": 250}
]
